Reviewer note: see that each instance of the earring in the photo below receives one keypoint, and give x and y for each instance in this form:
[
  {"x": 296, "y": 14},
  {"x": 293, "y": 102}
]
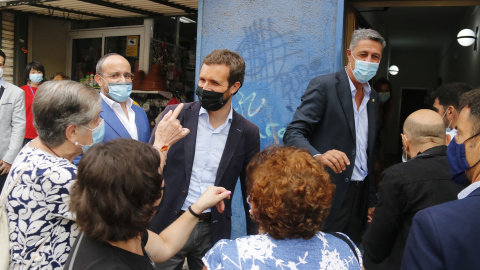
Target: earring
[{"x": 76, "y": 143}]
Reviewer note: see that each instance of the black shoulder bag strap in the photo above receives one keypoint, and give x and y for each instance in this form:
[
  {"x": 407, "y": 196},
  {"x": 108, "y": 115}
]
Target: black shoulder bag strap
[
  {"x": 349, "y": 243},
  {"x": 72, "y": 262}
]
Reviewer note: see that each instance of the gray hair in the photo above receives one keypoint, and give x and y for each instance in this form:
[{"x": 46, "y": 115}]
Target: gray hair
[
  {"x": 98, "y": 68},
  {"x": 59, "y": 104},
  {"x": 366, "y": 34}
]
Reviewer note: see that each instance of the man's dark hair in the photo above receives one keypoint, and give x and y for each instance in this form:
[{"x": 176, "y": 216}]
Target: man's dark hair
[
  {"x": 449, "y": 94},
  {"x": 232, "y": 60},
  {"x": 117, "y": 187},
  {"x": 34, "y": 65},
  {"x": 2, "y": 54},
  {"x": 471, "y": 99},
  {"x": 379, "y": 82}
]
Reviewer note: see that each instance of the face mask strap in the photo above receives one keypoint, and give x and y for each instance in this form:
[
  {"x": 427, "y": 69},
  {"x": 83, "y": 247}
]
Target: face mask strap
[
  {"x": 95, "y": 128},
  {"x": 444, "y": 114},
  {"x": 351, "y": 62},
  {"x": 464, "y": 146},
  {"x": 471, "y": 137}
]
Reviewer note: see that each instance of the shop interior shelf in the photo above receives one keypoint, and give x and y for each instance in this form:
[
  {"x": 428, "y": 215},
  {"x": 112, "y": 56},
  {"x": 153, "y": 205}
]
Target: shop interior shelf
[{"x": 166, "y": 94}]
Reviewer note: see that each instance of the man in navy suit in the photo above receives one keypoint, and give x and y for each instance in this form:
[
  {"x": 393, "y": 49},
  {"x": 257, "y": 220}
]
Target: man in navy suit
[
  {"x": 216, "y": 152},
  {"x": 446, "y": 236},
  {"x": 337, "y": 123},
  {"x": 122, "y": 118}
]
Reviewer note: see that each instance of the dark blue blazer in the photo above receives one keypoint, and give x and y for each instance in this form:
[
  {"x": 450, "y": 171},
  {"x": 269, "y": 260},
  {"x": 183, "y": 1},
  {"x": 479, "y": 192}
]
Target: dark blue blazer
[
  {"x": 114, "y": 129},
  {"x": 243, "y": 142},
  {"x": 325, "y": 121},
  {"x": 445, "y": 236}
]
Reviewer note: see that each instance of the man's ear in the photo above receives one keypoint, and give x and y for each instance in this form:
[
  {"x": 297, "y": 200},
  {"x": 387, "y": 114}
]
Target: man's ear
[
  {"x": 349, "y": 52},
  {"x": 451, "y": 113},
  {"x": 234, "y": 88},
  {"x": 404, "y": 141},
  {"x": 100, "y": 81}
]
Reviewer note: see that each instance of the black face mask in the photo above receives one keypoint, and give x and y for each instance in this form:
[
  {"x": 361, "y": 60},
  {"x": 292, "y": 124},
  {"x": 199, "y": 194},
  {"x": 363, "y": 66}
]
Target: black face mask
[{"x": 211, "y": 101}]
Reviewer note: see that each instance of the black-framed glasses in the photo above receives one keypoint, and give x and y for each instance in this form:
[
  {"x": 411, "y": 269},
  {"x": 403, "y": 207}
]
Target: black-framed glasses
[{"x": 117, "y": 76}]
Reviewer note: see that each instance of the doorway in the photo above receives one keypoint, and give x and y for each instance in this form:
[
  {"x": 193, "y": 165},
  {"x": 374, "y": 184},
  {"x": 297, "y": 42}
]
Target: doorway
[{"x": 421, "y": 41}]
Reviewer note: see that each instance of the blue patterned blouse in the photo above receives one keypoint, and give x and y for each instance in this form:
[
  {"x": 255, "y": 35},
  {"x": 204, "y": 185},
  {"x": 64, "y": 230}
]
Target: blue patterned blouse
[{"x": 323, "y": 251}]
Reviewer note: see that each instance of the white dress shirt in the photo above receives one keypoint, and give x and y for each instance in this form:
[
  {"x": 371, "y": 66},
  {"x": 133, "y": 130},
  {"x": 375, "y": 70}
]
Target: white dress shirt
[{"x": 128, "y": 122}]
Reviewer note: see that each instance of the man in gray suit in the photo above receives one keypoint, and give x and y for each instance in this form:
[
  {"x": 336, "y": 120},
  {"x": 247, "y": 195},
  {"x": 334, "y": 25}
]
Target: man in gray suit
[{"x": 12, "y": 122}]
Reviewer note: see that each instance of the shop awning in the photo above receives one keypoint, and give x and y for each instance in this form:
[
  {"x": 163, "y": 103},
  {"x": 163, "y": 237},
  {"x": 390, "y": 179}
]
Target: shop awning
[{"x": 102, "y": 9}]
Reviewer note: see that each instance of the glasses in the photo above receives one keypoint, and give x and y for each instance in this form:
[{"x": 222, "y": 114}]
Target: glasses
[{"x": 117, "y": 76}]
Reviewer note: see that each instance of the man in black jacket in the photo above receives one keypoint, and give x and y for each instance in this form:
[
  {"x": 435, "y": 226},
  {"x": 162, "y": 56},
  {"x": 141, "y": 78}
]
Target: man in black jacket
[
  {"x": 406, "y": 188},
  {"x": 337, "y": 122}
]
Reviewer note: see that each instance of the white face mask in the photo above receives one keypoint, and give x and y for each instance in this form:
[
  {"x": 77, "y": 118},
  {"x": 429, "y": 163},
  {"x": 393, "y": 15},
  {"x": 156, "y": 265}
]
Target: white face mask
[{"x": 1, "y": 72}]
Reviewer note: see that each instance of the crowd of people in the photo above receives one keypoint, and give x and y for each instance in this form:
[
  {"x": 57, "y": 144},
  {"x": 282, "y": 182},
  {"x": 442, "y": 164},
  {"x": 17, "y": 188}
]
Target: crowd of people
[{"x": 92, "y": 188}]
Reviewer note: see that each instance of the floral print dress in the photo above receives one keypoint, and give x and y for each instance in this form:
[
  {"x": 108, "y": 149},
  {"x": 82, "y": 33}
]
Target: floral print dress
[
  {"x": 323, "y": 251},
  {"x": 37, "y": 210}
]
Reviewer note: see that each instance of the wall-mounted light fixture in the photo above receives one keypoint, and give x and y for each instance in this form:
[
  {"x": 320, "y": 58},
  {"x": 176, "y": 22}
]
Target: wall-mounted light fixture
[
  {"x": 467, "y": 37},
  {"x": 393, "y": 70}
]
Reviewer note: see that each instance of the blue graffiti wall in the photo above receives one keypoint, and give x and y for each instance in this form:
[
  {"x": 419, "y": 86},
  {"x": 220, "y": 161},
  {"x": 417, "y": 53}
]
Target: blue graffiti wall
[{"x": 285, "y": 43}]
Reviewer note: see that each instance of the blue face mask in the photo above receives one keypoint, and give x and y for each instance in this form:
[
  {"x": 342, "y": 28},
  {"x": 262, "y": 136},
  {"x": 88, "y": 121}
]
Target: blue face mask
[
  {"x": 36, "y": 78},
  {"x": 97, "y": 135},
  {"x": 383, "y": 96},
  {"x": 364, "y": 71},
  {"x": 458, "y": 161},
  {"x": 119, "y": 91}
]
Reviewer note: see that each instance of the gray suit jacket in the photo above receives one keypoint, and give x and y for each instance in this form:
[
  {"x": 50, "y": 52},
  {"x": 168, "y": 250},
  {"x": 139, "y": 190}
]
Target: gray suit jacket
[{"x": 12, "y": 121}]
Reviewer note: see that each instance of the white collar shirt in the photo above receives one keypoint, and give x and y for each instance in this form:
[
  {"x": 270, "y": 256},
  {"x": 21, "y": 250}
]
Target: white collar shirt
[{"x": 127, "y": 122}]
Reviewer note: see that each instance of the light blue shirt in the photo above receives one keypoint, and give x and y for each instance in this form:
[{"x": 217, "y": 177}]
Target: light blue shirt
[
  {"x": 208, "y": 152},
  {"x": 360, "y": 170},
  {"x": 469, "y": 189}
]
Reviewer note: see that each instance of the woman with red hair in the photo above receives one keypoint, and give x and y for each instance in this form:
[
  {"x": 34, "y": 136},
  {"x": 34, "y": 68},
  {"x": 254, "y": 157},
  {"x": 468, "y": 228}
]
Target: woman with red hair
[{"x": 290, "y": 195}]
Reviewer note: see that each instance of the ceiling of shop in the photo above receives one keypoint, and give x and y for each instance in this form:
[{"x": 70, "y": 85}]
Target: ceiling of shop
[
  {"x": 102, "y": 9},
  {"x": 418, "y": 27}
]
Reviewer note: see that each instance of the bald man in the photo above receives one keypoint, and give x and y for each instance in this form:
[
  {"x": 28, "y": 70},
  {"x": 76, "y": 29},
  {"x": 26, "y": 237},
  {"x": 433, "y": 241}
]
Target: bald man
[
  {"x": 406, "y": 188},
  {"x": 123, "y": 119}
]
